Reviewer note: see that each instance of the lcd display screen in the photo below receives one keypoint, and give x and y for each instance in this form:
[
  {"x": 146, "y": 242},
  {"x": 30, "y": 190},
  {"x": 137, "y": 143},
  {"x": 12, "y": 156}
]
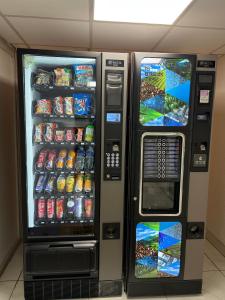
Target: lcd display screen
[
  {"x": 113, "y": 117},
  {"x": 165, "y": 91}
]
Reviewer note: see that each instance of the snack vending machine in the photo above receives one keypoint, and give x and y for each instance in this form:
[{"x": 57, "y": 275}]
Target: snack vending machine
[
  {"x": 169, "y": 132},
  {"x": 72, "y": 118}
]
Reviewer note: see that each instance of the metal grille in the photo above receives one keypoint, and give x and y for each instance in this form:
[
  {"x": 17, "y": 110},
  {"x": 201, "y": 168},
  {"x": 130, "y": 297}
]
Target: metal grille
[{"x": 162, "y": 157}]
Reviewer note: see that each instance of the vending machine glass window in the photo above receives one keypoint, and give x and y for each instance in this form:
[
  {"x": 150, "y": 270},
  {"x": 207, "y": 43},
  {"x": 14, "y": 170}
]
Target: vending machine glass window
[
  {"x": 60, "y": 108},
  {"x": 165, "y": 91}
]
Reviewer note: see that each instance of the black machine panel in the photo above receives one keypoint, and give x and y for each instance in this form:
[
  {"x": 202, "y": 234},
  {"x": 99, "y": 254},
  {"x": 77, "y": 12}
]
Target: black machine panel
[{"x": 113, "y": 124}]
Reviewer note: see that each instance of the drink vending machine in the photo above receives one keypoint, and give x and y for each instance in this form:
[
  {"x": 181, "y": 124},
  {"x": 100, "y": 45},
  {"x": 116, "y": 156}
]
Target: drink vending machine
[
  {"x": 169, "y": 138},
  {"x": 72, "y": 126}
]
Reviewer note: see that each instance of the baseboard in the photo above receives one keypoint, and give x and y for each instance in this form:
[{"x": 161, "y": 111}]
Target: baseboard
[
  {"x": 216, "y": 243},
  {"x": 8, "y": 257}
]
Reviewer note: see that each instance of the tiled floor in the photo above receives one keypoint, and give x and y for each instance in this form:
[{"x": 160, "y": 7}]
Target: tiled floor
[{"x": 11, "y": 282}]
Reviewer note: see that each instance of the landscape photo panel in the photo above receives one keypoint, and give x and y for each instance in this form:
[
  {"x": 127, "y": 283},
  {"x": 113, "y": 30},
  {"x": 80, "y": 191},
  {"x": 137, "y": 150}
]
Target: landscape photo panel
[{"x": 165, "y": 91}]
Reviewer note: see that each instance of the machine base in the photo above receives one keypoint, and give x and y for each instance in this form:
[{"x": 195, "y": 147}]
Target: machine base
[
  {"x": 147, "y": 288},
  {"x": 70, "y": 289}
]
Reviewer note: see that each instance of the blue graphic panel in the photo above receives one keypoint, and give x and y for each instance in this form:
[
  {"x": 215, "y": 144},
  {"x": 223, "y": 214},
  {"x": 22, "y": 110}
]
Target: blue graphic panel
[
  {"x": 158, "y": 249},
  {"x": 165, "y": 91}
]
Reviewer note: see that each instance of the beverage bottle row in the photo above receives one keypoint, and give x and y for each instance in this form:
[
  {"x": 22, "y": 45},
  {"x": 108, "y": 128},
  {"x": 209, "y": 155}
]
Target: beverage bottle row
[
  {"x": 59, "y": 209},
  {"x": 81, "y": 159}
]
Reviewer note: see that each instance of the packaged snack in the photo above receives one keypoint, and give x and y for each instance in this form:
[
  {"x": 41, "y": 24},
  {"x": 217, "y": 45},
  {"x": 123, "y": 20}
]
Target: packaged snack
[
  {"x": 70, "y": 180},
  {"x": 78, "y": 207},
  {"x": 38, "y": 132},
  {"x": 41, "y": 208},
  {"x": 62, "y": 76},
  {"x": 89, "y": 159},
  {"x": 44, "y": 106},
  {"x": 87, "y": 184},
  {"x": 49, "y": 132},
  {"x": 59, "y": 208},
  {"x": 43, "y": 77},
  {"x": 79, "y": 135},
  {"x": 80, "y": 159},
  {"x": 40, "y": 163},
  {"x": 70, "y": 159},
  {"x": 61, "y": 183},
  {"x": 59, "y": 135},
  {"x": 50, "y": 184},
  {"x": 40, "y": 183},
  {"x": 69, "y": 135},
  {"x": 61, "y": 159},
  {"x": 58, "y": 106},
  {"x": 79, "y": 183},
  {"x": 51, "y": 160},
  {"x": 70, "y": 205},
  {"x": 88, "y": 208},
  {"x": 82, "y": 104},
  {"x": 68, "y": 105},
  {"x": 89, "y": 133},
  {"x": 51, "y": 208},
  {"x": 83, "y": 74}
]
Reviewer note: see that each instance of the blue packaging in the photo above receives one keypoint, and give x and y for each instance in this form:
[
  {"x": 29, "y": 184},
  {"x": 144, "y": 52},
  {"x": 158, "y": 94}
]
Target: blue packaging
[
  {"x": 83, "y": 74},
  {"x": 82, "y": 104}
]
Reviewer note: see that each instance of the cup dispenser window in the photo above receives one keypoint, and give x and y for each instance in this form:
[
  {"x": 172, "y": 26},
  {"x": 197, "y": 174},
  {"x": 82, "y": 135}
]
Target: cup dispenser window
[{"x": 161, "y": 174}]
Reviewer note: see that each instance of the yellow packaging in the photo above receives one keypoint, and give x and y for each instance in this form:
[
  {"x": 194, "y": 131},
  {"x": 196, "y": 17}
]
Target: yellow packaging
[
  {"x": 79, "y": 183},
  {"x": 87, "y": 184},
  {"x": 61, "y": 182},
  {"x": 70, "y": 180},
  {"x": 71, "y": 159}
]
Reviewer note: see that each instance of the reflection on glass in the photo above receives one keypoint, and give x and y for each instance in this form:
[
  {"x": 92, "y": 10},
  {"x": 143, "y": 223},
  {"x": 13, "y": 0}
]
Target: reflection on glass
[{"x": 165, "y": 91}]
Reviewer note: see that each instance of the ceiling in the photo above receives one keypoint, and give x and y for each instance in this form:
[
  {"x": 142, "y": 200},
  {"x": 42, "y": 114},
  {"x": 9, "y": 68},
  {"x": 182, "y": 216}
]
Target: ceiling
[{"x": 68, "y": 24}]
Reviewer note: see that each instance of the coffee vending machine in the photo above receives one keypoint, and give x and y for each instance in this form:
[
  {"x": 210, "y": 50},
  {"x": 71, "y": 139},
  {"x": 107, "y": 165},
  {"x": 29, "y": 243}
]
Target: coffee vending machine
[
  {"x": 73, "y": 132},
  {"x": 169, "y": 145}
]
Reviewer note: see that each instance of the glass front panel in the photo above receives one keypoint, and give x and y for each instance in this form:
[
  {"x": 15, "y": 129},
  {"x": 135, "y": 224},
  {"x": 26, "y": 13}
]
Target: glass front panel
[
  {"x": 165, "y": 91},
  {"x": 158, "y": 249},
  {"x": 60, "y": 142}
]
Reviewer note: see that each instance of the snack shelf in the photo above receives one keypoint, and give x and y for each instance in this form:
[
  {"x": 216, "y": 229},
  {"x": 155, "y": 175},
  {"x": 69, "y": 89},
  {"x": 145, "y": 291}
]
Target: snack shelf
[
  {"x": 56, "y": 194},
  {"x": 65, "y": 172},
  {"x": 66, "y": 221},
  {"x": 55, "y": 88},
  {"x": 62, "y": 117},
  {"x": 66, "y": 143}
]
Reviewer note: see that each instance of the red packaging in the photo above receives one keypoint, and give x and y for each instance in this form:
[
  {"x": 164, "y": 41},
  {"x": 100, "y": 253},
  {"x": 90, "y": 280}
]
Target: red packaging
[
  {"x": 44, "y": 106},
  {"x": 69, "y": 135},
  {"x": 41, "y": 159},
  {"x": 59, "y": 208},
  {"x": 80, "y": 132},
  {"x": 51, "y": 160},
  {"x": 51, "y": 208},
  {"x": 59, "y": 135},
  {"x": 88, "y": 208},
  {"x": 41, "y": 206},
  {"x": 49, "y": 132},
  {"x": 39, "y": 132},
  {"x": 58, "y": 106}
]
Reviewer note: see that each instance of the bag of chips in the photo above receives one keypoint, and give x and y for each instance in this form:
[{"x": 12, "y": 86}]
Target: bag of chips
[
  {"x": 82, "y": 104},
  {"x": 83, "y": 74}
]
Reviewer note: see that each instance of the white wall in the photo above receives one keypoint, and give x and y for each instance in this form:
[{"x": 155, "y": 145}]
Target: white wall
[
  {"x": 9, "y": 224},
  {"x": 216, "y": 204}
]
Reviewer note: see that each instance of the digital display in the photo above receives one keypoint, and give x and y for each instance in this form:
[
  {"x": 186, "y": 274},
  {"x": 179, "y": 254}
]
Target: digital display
[
  {"x": 165, "y": 91},
  {"x": 113, "y": 117}
]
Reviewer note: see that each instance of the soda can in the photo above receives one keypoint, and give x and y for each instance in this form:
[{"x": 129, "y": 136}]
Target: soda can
[
  {"x": 69, "y": 135},
  {"x": 70, "y": 183},
  {"x": 51, "y": 208},
  {"x": 41, "y": 208},
  {"x": 59, "y": 208},
  {"x": 39, "y": 132},
  {"x": 88, "y": 208},
  {"x": 40, "y": 163},
  {"x": 70, "y": 205},
  {"x": 44, "y": 106},
  {"x": 40, "y": 183},
  {"x": 68, "y": 105},
  {"x": 51, "y": 160},
  {"x": 58, "y": 106},
  {"x": 49, "y": 132},
  {"x": 61, "y": 182},
  {"x": 50, "y": 184},
  {"x": 78, "y": 207}
]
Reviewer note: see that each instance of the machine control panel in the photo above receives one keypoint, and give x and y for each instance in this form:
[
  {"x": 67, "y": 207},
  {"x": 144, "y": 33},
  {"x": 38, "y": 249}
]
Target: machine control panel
[
  {"x": 202, "y": 116},
  {"x": 113, "y": 124}
]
